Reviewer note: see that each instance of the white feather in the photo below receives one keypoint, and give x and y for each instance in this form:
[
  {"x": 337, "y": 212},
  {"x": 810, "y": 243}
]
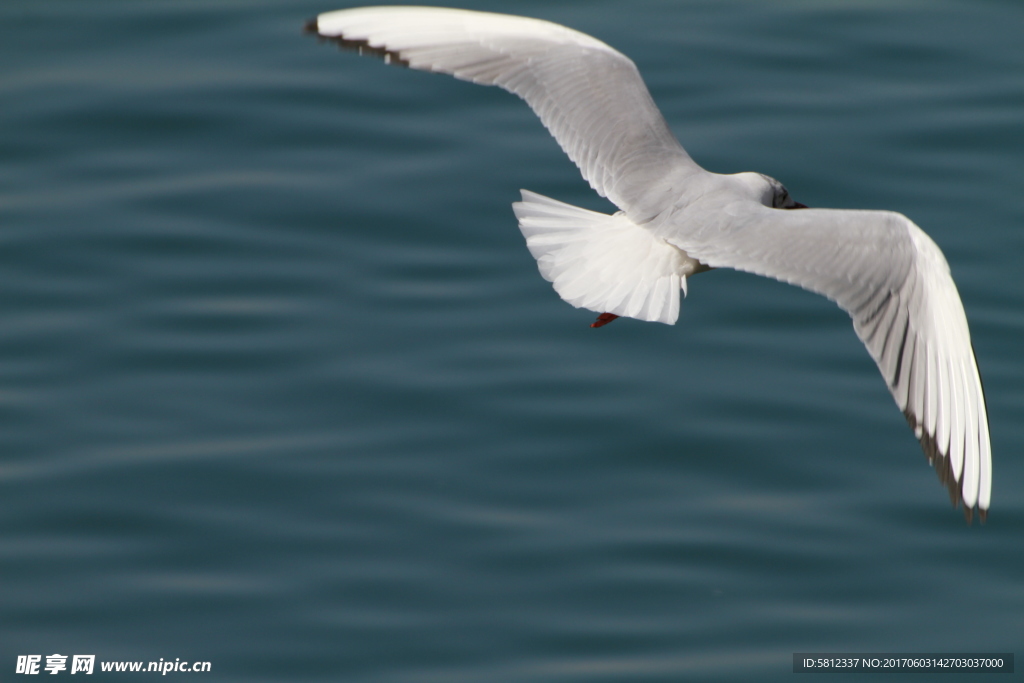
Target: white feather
[{"x": 606, "y": 264}]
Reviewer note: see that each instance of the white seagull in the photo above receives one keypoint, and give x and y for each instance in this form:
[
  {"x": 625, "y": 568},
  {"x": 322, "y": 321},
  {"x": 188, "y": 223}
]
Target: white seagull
[{"x": 677, "y": 220}]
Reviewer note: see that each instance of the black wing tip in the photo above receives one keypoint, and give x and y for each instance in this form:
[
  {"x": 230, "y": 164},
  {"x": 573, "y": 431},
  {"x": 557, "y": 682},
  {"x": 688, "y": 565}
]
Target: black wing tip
[
  {"x": 359, "y": 46},
  {"x": 944, "y": 468}
]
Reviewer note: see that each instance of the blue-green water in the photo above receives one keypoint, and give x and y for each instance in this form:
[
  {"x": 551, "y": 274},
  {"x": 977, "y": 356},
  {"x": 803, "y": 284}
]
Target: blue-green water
[{"x": 281, "y": 388}]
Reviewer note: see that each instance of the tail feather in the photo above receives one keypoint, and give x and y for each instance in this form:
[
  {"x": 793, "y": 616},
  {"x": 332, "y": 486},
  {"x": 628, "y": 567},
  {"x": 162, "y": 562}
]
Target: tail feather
[{"x": 607, "y": 264}]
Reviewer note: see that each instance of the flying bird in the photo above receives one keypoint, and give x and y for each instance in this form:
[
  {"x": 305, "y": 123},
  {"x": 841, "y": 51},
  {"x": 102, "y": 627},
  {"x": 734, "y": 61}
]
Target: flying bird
[{"x": 677, "y": 220}]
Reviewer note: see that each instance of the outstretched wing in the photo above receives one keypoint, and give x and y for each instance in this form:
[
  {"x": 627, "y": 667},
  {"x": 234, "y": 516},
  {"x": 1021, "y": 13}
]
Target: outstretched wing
[
  {"x": 895, "y": 283},
  {"x": 588, "y": 95}
]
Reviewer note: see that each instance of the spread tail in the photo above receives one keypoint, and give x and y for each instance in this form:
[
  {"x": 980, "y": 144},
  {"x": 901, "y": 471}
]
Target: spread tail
[{"x": 606, "y": 264}]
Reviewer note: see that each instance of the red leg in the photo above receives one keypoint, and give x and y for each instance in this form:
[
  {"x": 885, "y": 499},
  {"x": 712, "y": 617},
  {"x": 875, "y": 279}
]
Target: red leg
[{"x": 604, "y": 319}]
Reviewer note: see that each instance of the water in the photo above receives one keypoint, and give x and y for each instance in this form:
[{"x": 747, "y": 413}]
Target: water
[{"x": 282, "y": 390}]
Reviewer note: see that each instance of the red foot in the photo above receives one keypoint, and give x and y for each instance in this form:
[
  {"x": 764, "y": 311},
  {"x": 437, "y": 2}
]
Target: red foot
[{"x": 604, "y": 319}]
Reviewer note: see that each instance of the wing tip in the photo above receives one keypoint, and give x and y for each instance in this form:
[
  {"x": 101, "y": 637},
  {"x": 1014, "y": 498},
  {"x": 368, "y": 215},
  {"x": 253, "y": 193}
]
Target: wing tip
[
  {"x": 359, "y": 46},
  {"x": 943, "y": 465}
]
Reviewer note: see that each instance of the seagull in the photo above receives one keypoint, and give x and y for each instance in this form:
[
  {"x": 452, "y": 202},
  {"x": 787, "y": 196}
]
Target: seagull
[{"x": 677, "y": 220}]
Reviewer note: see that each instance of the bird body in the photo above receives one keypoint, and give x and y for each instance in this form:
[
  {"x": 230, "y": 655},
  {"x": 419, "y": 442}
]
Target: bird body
[{"x": 677, "y": 220}]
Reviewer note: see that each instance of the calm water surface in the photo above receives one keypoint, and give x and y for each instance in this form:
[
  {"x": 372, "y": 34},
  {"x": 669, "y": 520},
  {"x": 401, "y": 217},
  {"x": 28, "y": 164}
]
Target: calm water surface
[{"x": 281, "y": 389}]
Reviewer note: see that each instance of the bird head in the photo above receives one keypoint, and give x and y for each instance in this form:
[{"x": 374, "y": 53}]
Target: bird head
[{"x": 769, "y": 191}]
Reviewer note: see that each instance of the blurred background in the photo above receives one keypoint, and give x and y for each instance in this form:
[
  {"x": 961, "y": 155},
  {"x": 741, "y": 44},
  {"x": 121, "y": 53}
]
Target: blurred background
[{"x": 282, "y": 390}]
